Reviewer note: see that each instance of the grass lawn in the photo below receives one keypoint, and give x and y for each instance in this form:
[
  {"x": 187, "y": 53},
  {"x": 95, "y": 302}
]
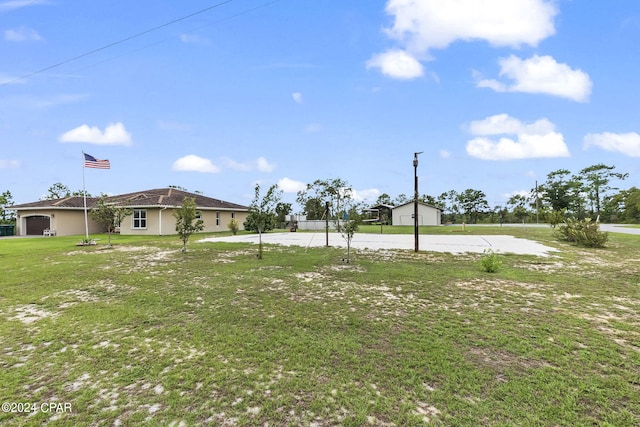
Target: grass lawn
[{"x": 141, "y": 334}]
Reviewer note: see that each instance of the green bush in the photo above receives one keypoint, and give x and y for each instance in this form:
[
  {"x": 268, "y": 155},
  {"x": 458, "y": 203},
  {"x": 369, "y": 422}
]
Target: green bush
[
  {"x": 234, "y": 226},
  {"x": 252, "y": 221},
  {"x": 491, "y": 261},
  {"x": 582, "y": 232}
]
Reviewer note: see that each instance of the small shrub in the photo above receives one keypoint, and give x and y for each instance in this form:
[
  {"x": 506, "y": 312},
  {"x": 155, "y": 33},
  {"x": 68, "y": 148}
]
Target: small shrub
[
  {"x": 582, "y": 232},
  {"x": 234, "y": 226},
  {"x": 491, "y": 261}
]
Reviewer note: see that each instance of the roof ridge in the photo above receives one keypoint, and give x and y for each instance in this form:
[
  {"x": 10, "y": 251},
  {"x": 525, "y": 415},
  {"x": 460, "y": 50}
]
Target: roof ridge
[{"x": 62, "y": 200}]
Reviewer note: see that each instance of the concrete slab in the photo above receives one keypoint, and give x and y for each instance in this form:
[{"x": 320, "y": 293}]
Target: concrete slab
[{"x": 437, "y": 243}]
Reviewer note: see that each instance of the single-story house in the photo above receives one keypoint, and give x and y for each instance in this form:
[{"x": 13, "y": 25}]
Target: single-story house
[
  {"x": 152, "y": 214},
  {"x": 427, "y": 214}
]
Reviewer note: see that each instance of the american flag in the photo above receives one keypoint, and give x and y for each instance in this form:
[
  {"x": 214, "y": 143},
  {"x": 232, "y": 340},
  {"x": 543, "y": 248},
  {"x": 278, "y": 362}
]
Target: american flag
[{"x": 92, "y": 162}]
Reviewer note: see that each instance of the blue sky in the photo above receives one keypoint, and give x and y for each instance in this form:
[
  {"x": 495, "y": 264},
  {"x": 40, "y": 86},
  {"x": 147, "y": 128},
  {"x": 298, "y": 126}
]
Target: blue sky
[{"x": 496, "y": 94}]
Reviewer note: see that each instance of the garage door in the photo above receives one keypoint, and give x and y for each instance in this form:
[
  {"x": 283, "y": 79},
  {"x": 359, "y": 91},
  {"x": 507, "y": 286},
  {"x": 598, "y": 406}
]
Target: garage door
[{"x": 37, "y": 224}]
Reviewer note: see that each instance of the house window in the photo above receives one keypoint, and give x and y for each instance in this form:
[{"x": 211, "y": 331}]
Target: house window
[
  {"x": 139, "y": 218},
  {"x": 217, "y": 219},
  {"x": 233, "y": 215},
  {"x": 198, "y": 215}
]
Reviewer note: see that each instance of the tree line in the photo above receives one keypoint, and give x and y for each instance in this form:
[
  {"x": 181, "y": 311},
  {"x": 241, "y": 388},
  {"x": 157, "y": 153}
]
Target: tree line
[{"x": 590, "y": 193}]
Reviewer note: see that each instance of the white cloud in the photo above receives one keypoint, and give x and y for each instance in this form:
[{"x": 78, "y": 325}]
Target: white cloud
[
  {"x": 421, "y": 26},
  {"x": 288, "y": 185},
  {"x": 368, "y": 194},
  {"x": 193, "y": 163},
  {"x": 22, "y": 34},
  {"x": 193, "y": 39},
  {"x": 264, "y": 165},
  {"x": 504, "y": 124},
  {"x": 445, "y": 154},
  {"x": 114, "y": 134},
  {"x": 261, "y": 164},
  {"x": 536, "y": 140},
  {"x": 9, "y": 164},
  {"x": 17, "y": 4},
  {"x": 540, "y": 74},
  {"x": 524, "y": 193},
  {"x": 397, "y": 64},
  {"x": 297, "y": 97},
  {"x": 427, "y": 24},
  {"x": 237, "y": 166},
  {"x": 525, "y": 147},
  {"x": 625, "y": 143}
]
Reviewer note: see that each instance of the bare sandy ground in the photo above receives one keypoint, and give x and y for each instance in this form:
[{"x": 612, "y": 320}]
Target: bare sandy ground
[{"x": 436, "y": 243}]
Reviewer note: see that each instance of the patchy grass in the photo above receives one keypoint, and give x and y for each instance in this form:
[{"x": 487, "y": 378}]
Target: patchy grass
[{"x": 142, "y": 334}]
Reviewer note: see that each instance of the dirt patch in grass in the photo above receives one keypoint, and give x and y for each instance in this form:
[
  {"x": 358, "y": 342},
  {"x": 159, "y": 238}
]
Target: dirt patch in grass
[
  {"x": 30, "y": 313},
  {"x": 500, "y": 360}
]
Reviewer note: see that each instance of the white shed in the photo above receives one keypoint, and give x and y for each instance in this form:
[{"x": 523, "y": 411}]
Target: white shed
[{"x": 427, "y": 214}]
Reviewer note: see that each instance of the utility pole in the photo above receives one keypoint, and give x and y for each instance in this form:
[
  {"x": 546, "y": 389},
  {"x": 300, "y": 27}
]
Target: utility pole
[
  {"x": 537, "y": 205},
  {"x": 415, "y": 200},
  {"x": 326, "y": 219}
]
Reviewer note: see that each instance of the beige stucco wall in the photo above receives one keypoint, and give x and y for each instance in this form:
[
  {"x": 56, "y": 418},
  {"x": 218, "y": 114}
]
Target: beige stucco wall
[
  {"x": 210, "y": 225},
  {"x": 162, "y": 222},
  {"x": 64, "y": 222}
]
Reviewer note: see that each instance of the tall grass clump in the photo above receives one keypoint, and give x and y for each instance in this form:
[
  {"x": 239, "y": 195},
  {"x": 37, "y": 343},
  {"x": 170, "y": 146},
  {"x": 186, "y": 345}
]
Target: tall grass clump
[
  {"x": 490, "y": 261},
  {"x": 582, "y": 232}
]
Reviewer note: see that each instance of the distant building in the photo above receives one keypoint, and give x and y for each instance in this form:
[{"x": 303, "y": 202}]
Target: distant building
[
  {"x": 427, "y": 214},
  {"x": 378, "y": 214},
  {"x": 152, "y": 214}
]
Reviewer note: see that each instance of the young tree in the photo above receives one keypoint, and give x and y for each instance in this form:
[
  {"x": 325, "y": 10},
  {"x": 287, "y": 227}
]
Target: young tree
[
  {"x": 262, "y": 211},
  {"x": 108, "y": 215},
  {"x": 350, "y": 222},
  {"x": 323, "y": 191},
  {"x": 186, "y": 222},
  {"x": 6, "y": 200},
  {"x": 343, "y": 211}
]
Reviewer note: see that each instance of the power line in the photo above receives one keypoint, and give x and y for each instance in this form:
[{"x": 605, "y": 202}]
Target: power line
[
  {"x": 91, "y": 52},
  {"x": 228, "y": 18}
]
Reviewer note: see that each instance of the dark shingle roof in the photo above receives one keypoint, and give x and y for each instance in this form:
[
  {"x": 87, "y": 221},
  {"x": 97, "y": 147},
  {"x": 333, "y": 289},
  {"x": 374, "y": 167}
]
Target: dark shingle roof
[
  {"x": 171, "y": 197},
  {"x": 161, "y": 197},
  {"x": 71, "y": 202}
]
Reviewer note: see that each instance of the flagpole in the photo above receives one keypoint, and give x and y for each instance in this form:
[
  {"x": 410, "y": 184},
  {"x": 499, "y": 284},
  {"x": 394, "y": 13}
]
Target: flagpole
[{"x": 84, "y": 195}]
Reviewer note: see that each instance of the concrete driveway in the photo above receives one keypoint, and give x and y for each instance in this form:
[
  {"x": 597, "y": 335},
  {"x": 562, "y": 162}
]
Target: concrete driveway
[
  {"x": 619, "y": 228},
  {"x": 436, "y": 243}
]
